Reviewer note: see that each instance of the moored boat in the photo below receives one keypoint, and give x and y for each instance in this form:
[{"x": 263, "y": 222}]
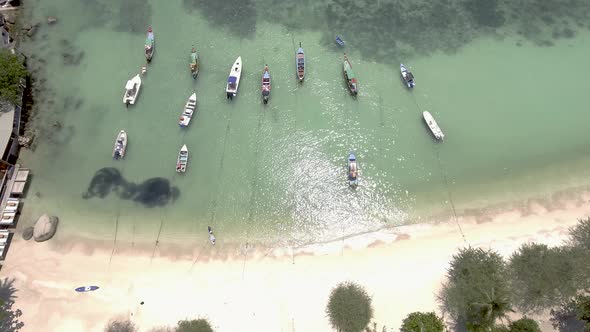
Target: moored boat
[
  {"x": 182, "y": 160},
  {"x": 300, "y": 63},
  {"x": 407, "y": 76},
  {"x": 265, "y": 84},
  {"x": 349, "y": 76},
  {"x": 233, "y": 81},
  {"x": 120, "y": 145},
  {"x": 352, "y": 170},
  {"x": 339, "y": 41},
  {"x": 211, "y": 236},
  {"x": 194, "y": 63},
  {"x": 434, "y": 128},
  {"x": 132, "y": 90},
  {"x": 150, "y": 45},
  {"x": 189, "y": 109}
]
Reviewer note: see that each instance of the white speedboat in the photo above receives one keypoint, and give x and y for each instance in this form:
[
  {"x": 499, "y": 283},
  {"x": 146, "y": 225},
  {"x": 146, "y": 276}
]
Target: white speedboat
[
  {"x": 182, "y": 159},
  {"x": 434, "y": 128},
  {"x": 189, "y": 110},
  {"x": 407, "y": 76},
  {"x": 120, "y": 145},
  {"x": 132, "y": 90},
  {"x": 233, "y": 81}
]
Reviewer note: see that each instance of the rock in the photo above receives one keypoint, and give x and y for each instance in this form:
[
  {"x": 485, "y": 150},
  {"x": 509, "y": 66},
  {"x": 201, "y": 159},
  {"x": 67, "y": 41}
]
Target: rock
[
  {"x": 28, "y": 233},
  {"x": 51, "y": 19},
  {"x": 45, "y": 228}
]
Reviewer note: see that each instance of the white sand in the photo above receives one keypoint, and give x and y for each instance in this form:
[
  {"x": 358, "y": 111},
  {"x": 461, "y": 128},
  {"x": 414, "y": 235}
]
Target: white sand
[{"x": 264, "y": 294}]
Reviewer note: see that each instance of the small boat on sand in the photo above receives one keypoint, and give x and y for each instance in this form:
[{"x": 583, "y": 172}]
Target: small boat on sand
[
  {"x": 211, "y": 236},
  {"x": 182, "y": 159},
  {"x": 434, "y": 128},
  {"x": 352, "y": 170},
  {"x": 189, "y": 109},
  {"x": 265, "y": 84},
  {"x": 339, "y": 41},
  {"x": 233, "y": 81},
  {"x": 300, "y": 63},
  {"x": 132, "y": 90},
  {"x": 120, "y": 145},
  {"x": 407, "y": 76},
  {"x": 86, "y": 289},
  {"x": 194, "y": 63},
  {"x": 349, "y": 76},
  {"x": 150, "y": 45}
]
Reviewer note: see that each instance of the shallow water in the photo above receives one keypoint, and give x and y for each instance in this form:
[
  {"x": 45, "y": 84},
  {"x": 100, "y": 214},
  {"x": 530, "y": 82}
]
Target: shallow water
[{"x": 514, "y": 125}]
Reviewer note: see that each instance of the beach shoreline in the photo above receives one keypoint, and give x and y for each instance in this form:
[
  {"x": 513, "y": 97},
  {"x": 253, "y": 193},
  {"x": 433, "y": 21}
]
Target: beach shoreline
[{"x": 402, "y": 268}]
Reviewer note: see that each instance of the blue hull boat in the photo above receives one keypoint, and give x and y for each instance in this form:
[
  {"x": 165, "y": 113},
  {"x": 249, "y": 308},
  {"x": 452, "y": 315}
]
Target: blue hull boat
[
  {"x": 352, "y": 170},
  {"x": 339, "y": 41},
  {"x": 86, "y": 289}
]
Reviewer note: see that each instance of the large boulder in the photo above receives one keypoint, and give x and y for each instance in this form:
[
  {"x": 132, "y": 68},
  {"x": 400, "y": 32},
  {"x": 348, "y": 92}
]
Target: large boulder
[{"x": 45, "y": 228}]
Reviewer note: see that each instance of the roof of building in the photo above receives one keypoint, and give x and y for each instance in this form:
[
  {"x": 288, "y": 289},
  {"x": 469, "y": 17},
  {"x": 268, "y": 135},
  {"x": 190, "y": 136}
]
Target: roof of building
[{"x": 6, "y": 123}]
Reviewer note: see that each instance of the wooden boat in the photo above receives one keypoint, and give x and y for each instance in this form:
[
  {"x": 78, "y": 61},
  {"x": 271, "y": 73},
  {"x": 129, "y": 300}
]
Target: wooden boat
[
  {"x": 265, "y": 84},
  {"x": 407, "y": 76},
  {"x": 189, "y": 109},
  {"x": 120, "y": 145},
  {"x": 233, "y": 81},
  {"x": 211, "y": 236},
  {"x": 434, "y": 128},
  {"x": 339, "y": 41},
  {"x": 132, "y": 90},
  {"x": 194, "y": 63},
  {"x": 349, "y": 76},
  {"x": 300, "y": 63},
  {"x": 182, "y": 159},
  {"x": 352, "y": 170},
  {"x": 150, "y": 45}
]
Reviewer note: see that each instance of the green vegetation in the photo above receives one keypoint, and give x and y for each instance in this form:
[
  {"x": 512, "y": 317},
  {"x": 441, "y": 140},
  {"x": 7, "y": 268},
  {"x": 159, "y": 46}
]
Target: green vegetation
[
  {"x": 541, "y": 276},
  {"x": 524, "y": 325},
  {"x": 349, "y": 307},
  {"x": 12, "y": 71},
  {"x": 422, "y": 322},
  {"x": 476, "y": 293},
  {"x": 9, "y": 318},
  {"x": 195, "y": 325},
  {"x": 120, "y": 324},
  {"x": 573, "y": 315}
]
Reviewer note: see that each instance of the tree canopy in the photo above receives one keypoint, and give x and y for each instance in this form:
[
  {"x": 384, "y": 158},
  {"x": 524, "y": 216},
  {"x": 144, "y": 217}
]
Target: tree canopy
[
  {"x": 120, "y": 324},
  {"x": 524, "y": 325},
  {"x": 476, "y": 292},
  {"x": 12, "y": 71},
  {"x": 349, "y": 307},
  {"x": 194, "y": 325},
  {"x": 422, "y": 322},
  {"x": 541, "y": 276},
  {"x": 579, "y": 244}
]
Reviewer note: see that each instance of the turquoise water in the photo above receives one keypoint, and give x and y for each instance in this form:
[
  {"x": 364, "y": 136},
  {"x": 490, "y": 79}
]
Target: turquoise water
[{"x": 514, "y": 115}]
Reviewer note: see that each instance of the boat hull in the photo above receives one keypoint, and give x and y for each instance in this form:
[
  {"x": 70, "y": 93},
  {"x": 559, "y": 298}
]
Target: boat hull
[
  {"x": 233, "y": 81},
  {"x": 433, "y": 126},
  {"x": 150, "y": 46},
  {"x": 407, "y": 76},
  {"x": 194, "y": 65},
  {"x": 352, "y": 170},
  {"x": 190, "y": 109},
  {"x": 266, "y": 85},
  {"x": 349, "y": 77},
  {"x": 120, "y": 147},
  {"x": 300, "y": 64},
  {"x": 132, "y": 90},
  {"x": 182, "y": 161}
]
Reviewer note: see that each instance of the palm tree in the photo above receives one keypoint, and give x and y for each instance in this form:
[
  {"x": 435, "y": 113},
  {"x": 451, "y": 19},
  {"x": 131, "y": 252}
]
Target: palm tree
[{"x": 485, "y": 314}]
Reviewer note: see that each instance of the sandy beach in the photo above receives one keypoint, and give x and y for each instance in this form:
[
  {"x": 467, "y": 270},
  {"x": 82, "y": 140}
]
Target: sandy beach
[{"x": 285, "y": 290}]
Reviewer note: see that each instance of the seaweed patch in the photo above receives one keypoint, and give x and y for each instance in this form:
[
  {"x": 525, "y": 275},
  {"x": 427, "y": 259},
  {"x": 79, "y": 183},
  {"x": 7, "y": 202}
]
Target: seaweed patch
[{"x": 153, "y": 192}]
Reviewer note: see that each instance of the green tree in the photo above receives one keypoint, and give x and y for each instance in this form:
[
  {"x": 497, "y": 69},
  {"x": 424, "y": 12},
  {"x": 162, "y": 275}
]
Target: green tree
[
  {"x": 12, "y": 71},
  {"x": 120, "y": 324},
  {"x": 476, "y": 293},
  {"x": 541, "y": 276},
  {"x": 422, "y": 322},
  {"x": 194, "y": 325},
  {"x": 349, "y": 307},
  {"x": 573, "y": 315},
  {"x": 524, "y": 325},
  {"x": 579, "y": 244},
  {"x": 500, "y": 328}
]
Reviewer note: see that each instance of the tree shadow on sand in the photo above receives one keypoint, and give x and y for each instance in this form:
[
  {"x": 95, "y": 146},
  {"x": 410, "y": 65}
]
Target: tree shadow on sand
[{"x": 9, "y": 318}]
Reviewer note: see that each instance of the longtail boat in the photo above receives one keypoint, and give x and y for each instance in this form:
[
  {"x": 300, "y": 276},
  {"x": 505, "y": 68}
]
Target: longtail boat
[
  {"x": 300, "y": 62},
  {"x": 265, "y": 84},
  {"x": 194, "y": 63},
  {"x": 150, "y": 45},
  {"x": 349, "y": 76}
]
